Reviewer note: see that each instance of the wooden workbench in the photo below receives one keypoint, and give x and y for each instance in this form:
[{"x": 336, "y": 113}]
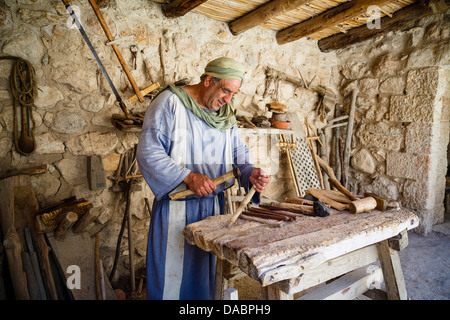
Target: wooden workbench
[{"x": 287, "y": 258}]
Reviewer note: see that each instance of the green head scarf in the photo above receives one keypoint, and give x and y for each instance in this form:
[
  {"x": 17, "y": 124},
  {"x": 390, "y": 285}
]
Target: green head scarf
[{"x": 223, "y": 68}]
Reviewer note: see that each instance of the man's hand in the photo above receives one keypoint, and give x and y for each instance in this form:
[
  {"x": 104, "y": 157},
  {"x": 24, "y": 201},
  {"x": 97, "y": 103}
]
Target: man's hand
[
  {"x": 200, "y": 184},
  {"x": 259, "y": 179}
]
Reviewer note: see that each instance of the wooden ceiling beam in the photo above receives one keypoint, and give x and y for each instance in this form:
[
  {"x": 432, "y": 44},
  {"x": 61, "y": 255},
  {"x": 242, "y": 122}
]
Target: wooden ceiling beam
[
  {"x": 263, "y": 14},
  {"x": 327, "y": 19},
  {"x": 401, "y": 20},
  {"x": 178, "y": 8}
]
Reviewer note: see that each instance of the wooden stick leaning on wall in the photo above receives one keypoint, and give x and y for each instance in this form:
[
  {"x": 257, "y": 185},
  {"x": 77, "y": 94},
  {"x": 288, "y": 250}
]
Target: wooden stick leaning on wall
[
  {"x": 348, "y": 139},
  {"x": 116, "y": 50},
  {"x": 291, "y": 166},
  {"x": 309, "y": 139}
]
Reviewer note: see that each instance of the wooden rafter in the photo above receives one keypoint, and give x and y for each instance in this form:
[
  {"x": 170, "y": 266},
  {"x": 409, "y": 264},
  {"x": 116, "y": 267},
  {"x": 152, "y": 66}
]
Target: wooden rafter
[
  {"x": 264, "y": 13},
  {"x": 178, "y": 8},
  {"x": 328, "y": 19},
  {"x": 401, "y": 20}
]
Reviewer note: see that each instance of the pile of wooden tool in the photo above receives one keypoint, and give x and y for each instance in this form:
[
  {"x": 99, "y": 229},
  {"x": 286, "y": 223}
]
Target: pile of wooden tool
[
  {"x": 286, "y": 211},
  {"x": 317, "y": 203}
]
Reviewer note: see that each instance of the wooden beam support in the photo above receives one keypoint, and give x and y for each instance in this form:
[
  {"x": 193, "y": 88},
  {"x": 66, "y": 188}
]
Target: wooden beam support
[
  {"x": 263, "y": 14},
  {"x": 328, "y": 19},
  {"x": 178, "y": 8},
  {"x": 401, "y": 20}
]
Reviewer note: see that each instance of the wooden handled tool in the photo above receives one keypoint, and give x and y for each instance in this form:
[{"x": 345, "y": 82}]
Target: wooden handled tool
[
  {"x": 235, "y": 173},
  {"x": 241, "y": 208},
  {"x": 357, "y": 205},
  {"x": 116, "y": 50},
  {"x": 342, "y": 189}
]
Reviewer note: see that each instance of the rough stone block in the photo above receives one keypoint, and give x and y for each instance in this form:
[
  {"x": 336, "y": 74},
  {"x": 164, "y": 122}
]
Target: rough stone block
[
  {"x": 369, "y": 86},
  {"x": 418, "y": 138},
  {"x": 363, "y": 161},
  {"x": 393, "y": 85},
  {"x": 417, "y": 195},
  {"x": 380, "y": 135},
  {"x": 422, "y": 81},
  {"x": 93, "y": 143},
  {"x": 411, "y": 108},
  {"x": 386, "y": 64},
  {"x": 46, "y": 143},
  {"x": 409, "y": 166}
]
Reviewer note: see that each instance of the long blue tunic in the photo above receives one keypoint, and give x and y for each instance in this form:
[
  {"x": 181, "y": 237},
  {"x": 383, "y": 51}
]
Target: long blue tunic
[{"x": 174, "y": 142}]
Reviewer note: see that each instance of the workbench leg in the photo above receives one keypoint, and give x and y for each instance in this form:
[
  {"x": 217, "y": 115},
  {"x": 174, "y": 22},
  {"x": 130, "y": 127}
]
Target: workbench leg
[
  {"x": 392, "y": 272},
  {"x": 220, "y": 283},
  {"x": 271, "y": 292}
]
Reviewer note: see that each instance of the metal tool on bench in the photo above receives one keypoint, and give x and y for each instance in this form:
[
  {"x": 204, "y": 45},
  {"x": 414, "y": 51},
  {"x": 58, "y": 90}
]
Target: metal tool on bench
[{"x": 235, "y": 173}]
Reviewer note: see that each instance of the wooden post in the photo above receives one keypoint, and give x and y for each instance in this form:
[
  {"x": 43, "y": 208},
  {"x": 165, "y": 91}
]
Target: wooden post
[
  {"x": 178, "y": 8},
  {"x": 392, "y": 272},
  {"x": 348, "y": 140},
  {"x": 220, "y": 282},
  {"x": 11, "y": 240}
]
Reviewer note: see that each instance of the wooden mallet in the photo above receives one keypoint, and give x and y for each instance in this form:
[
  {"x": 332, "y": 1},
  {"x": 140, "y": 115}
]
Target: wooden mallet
[
  {"x": 235, "y": 173},
  {"x": 357, "y": 205}
]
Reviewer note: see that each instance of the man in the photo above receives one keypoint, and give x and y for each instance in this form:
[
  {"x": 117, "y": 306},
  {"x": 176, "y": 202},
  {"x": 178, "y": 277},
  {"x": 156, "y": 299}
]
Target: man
[{"x": 190, "y": 137}]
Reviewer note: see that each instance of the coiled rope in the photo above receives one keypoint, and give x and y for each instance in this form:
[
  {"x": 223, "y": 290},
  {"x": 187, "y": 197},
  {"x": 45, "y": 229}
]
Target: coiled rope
[{"x": 23, "y": 90}]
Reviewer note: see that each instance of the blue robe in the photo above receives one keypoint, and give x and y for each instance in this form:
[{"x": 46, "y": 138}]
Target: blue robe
[{"x": 173, "y": 143}]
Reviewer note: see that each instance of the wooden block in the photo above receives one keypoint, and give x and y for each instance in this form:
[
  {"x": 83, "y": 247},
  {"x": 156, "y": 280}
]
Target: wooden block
[
  {"x": 349, "y": 286},
  {"x": 330, "y": 270},
  {"x": 96, "y": 174},
  {"x": 399, "y": 242}
]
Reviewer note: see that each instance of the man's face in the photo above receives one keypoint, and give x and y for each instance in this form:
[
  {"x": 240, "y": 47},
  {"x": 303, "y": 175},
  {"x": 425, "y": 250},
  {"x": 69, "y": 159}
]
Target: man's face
[{"x": 219, "y": 94}]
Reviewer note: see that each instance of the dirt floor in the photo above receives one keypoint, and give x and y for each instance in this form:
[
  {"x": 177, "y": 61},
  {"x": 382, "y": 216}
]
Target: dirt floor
[{"x": 425, "y": 264}]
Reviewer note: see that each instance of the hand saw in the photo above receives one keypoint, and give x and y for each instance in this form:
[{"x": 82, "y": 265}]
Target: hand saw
[{"x": 99, "y": 62}]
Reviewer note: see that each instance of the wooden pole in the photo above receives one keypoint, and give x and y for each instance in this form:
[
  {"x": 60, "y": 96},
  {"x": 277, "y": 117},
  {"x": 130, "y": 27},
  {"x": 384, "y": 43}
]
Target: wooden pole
[
  {"x": 348, "y": 139},
  {"x": 11, "y": 240},
  {"x": 116, "y": 50}
]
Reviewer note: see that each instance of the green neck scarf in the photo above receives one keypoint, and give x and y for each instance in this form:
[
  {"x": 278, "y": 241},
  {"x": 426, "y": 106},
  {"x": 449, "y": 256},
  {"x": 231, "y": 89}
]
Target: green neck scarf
[
  {"x": 223, "y": 68},
  {"x": 221, "y": 120}
]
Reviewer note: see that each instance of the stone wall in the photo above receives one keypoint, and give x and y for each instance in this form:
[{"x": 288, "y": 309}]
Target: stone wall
[
  {"x": 73, "y": 108},
  {"x": 401, "y": 134}
]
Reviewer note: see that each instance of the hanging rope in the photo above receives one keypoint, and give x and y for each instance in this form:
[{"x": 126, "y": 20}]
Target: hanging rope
[{"x": 23, "y": 90}]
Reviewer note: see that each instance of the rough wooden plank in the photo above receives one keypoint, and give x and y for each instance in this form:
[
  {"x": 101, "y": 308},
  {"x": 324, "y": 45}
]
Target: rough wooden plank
[
  {"x": 329, "y": 270},
  {"x": 264, "y": 13},
  {"x": 274, "y": 254},
  {"x": 212, "y": 233},
  {"x": 401, "y": 20},
  {"x": 349, "y": 286},
  {"x": 328, "y": 19},
  {"x": 178, "y": 8},
  {"x": 313, "y": 249}
]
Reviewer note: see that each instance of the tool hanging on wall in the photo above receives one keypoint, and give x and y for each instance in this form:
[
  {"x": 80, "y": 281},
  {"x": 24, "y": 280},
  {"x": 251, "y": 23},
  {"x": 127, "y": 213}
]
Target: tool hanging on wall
[
  {"x": 23, "y": 90},
  {"x": 129, "y": 120},
  {"x": 99, "y": 62},
  {"x": 116, "y": 49}
]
